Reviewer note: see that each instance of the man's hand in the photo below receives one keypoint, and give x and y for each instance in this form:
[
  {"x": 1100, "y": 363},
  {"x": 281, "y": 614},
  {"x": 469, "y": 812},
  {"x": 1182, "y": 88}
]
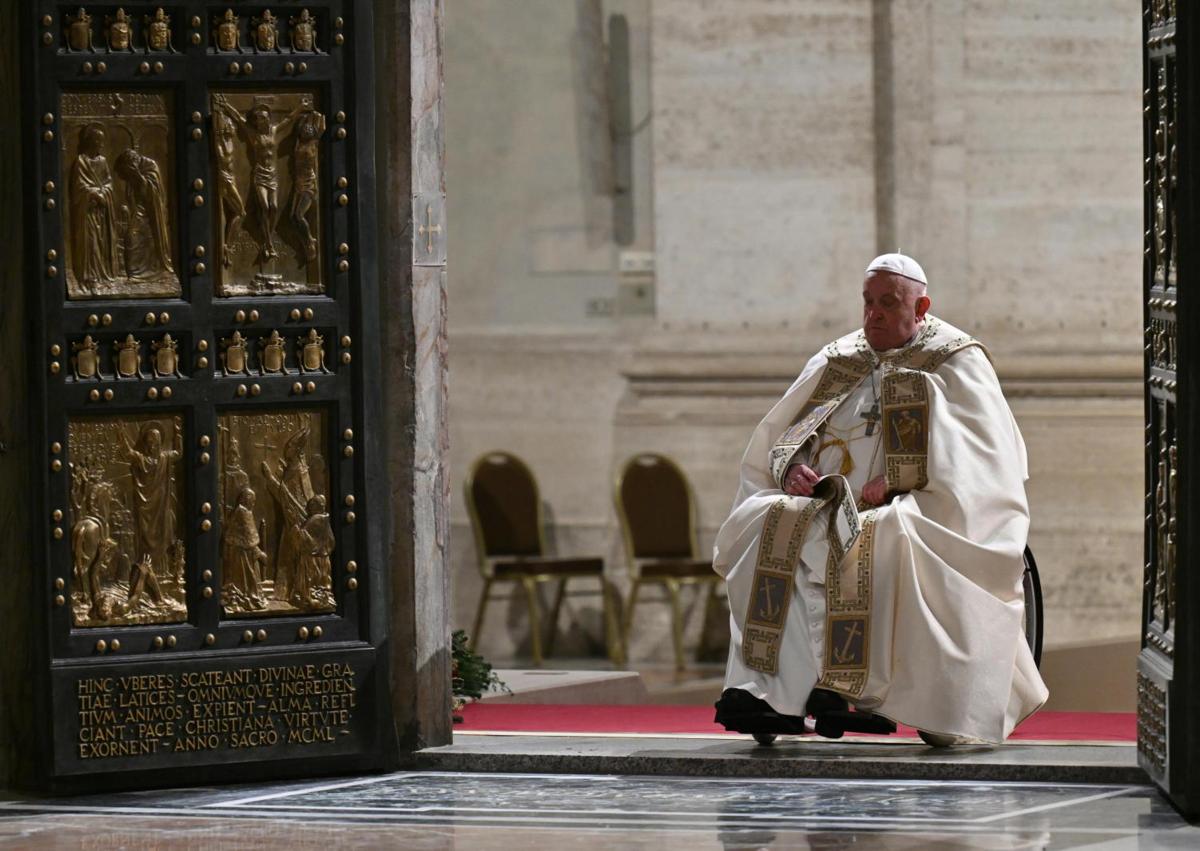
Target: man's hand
[
  {"x": 799, "y": 480},
  {"x": 875, "y": 491}
]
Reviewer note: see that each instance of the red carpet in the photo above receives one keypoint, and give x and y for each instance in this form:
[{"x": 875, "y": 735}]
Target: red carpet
[{"x": 586, "y": 718}]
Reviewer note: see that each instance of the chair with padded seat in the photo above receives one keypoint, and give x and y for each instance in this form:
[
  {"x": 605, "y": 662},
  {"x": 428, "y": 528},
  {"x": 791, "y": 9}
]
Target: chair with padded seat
[
  {"x": 506, "y": 518},
  {"x": 657, "y": 511}
]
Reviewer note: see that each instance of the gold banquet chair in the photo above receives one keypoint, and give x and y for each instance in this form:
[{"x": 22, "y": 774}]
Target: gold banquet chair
[
  {"x": 658, "y": 523},
  {"x": 506, "y": 519}
]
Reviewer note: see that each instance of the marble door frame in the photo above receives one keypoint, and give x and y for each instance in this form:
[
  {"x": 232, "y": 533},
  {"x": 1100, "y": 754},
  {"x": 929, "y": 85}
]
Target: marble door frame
[{"x": 411, "y": 151}]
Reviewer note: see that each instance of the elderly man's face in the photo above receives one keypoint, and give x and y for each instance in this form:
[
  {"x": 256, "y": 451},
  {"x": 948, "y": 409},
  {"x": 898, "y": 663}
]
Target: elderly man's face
[{"x": 893, "y": 307}]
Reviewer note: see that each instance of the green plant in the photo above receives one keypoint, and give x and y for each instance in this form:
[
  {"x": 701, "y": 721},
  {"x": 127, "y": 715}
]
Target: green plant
[{"x": 470, "y": 674}]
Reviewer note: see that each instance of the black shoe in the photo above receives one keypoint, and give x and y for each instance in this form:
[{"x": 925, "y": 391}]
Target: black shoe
[
  {"x": 741, "y": 712},
  {"x": 821, "y": 701}
]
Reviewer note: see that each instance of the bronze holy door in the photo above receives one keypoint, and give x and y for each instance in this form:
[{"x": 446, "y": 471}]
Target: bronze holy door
[
  {"x": 1168, "y": 679},
  {"x": 204, "y": 346}
]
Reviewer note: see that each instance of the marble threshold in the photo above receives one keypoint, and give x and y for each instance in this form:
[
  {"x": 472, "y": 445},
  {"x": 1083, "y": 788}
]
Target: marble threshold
[{"x": 788, "y": 757}]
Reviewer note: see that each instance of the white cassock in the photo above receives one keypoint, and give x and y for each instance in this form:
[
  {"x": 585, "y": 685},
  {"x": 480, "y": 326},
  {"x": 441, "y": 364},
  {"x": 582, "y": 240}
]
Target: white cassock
[{"x": 914, "y": 609}]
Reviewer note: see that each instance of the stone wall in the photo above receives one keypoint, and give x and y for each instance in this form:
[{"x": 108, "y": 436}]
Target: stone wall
[{"x": 999, "y": 142}]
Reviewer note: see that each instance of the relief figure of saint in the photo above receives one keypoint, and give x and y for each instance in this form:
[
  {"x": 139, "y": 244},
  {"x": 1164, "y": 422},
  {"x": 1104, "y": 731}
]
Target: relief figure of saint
[
  {"x": 147, "y": 232},
  {"x": 314, "y": 569},
  {"x": 262, "y": 144},
  {"x": 235, "y": 475},
  {"x": 241, "y": 557},
  {"x": 151, "y": 468},
  {"x": 93, "y": 213},
  {"x": 292, "y": 489},
  {"x": 232, "y": 206},
  {"x": 310, "y": 125}
]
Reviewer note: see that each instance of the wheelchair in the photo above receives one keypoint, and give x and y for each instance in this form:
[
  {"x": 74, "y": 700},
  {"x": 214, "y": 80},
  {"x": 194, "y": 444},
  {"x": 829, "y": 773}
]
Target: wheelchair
[{"x": 744, "y": 713}]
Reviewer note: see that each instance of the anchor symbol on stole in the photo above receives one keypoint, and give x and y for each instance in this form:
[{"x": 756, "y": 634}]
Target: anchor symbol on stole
[
  {"x": 842, "y": 656},
  {"x": 769, "y": 611}
]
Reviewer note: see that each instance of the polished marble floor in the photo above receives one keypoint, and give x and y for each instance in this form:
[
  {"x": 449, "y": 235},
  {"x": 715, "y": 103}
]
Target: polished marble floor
[{"x": 442, "y": 811}]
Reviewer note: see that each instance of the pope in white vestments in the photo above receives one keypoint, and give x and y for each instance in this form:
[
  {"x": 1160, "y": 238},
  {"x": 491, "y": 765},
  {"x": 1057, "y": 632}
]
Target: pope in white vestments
[{"x": 874, "y": 549}]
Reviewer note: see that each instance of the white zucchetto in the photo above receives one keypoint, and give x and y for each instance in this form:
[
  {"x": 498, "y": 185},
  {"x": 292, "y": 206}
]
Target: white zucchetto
[{"x": 899, "y": 264}]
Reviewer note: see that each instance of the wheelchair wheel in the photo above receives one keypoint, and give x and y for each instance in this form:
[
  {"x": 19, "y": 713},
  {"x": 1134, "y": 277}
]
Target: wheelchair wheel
[
  {"x": 764, "y": 739},
  {"x": 1031, "y": 585}
]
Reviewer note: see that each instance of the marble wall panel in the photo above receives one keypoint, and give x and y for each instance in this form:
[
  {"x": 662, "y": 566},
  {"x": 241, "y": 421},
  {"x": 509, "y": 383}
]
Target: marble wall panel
[{"x": 763, "y": 153}]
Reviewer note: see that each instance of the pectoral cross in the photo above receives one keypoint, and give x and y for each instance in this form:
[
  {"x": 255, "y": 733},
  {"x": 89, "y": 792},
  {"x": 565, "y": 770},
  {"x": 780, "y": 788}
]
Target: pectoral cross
[{"x": 872, "y": 417}]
